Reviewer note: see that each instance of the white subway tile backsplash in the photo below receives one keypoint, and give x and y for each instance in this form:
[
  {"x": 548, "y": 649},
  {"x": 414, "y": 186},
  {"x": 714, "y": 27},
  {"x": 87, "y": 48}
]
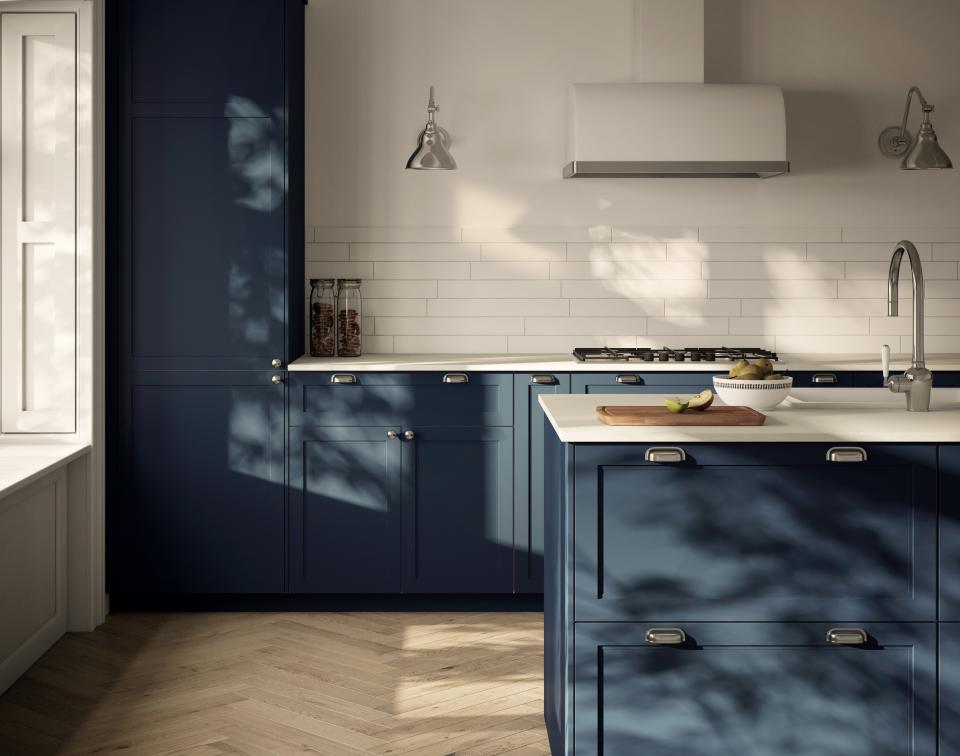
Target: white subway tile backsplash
[
  {"x": 547, "y": 289},
  {"x": 585, "y": 326},
  {"x": 499, "y": 289},
  {"x": 633, "y": 289},
  {"x": 734, "y": 252},
  {"x": 422, "y": 344},
  {"x": 466, "y": 307},
  {"x": 880, "y": 270},
  {"x": 757, "y": 234},
  {"x": 790, "y": 271},
  {"x": 393, "y": 235},
  {"x": 894, "y": 234},
  {"x": 328, "y": 252},
  {"x": 801, "y": 326},
  {"x": 760, "y": 289},
  {"x": 599, "y": 252},
  {"x": 625, "y": 269},
  {"x": 656, "y": 233},
  {"x": 615, "y": 307},
  {"x": 420, "y": 270},
  {"x": 449, "y": 326},
  {"x": 507, "y": 271},
  {"x": 415, "y": 252},
  {"x": 537, "y": 234},
  {"x": 519, "y": 251}
]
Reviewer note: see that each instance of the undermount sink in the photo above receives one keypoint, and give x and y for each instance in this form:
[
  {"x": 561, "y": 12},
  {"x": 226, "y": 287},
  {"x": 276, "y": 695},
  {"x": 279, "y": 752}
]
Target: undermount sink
[{"x": 865, "y": 398}]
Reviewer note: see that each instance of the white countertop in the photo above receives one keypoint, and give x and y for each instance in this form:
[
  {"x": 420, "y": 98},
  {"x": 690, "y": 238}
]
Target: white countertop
[
  {"x": 22, "y": 461},
  {"x": 565, "y": 363},
  {"x": 574, "y": 419}
]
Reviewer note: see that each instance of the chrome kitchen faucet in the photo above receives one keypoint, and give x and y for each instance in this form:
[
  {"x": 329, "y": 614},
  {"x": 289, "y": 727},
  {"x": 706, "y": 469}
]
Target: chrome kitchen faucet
[{"x": 917, "y": 381}]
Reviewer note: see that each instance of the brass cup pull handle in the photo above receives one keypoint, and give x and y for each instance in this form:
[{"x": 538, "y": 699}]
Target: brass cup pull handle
[
  {"x": 409, "y": 435},
  {"x": 665, "y": 454},
  {"x": 665, "y": 636},
  {"x": 627, "y": 378},
  {"x": 847, "y": 454},
  {"x": 456, "y": 378},
  {"x": 276, "y": 380},
  {"x": 847, "y": 636},
  {"x": 825, "y": 378}
]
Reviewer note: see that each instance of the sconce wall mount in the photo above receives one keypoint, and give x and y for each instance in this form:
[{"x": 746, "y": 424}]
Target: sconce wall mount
[{"x": 920, "y": 153}]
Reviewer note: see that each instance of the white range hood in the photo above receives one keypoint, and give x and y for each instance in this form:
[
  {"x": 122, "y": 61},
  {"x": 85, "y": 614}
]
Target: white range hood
[{"x": 676, "y": 130}]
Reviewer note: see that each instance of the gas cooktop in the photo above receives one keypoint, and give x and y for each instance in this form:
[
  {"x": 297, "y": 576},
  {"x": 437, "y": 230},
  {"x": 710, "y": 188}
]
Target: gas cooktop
[{"x": 668, "y": 354}]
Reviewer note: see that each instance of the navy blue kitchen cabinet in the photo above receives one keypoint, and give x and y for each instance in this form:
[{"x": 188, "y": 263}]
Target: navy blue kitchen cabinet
[
  {"x": 941, "y": 378},
  {"x": 768, "y": 688},
  {"x": 950, "y": 533},
  {"x": 205, "y": 289},
  {"x": 199, "y": 504},
  {"x": 457, "y": 503},
  {"x": 756, "y": 532},
  {"x": 345, "y": 487},
  {"x": 822, "y": 378},
  {"x": 949, "y": 689},
  {"x": 528, "y": 498},
  {"x": 639, "y": 382}
]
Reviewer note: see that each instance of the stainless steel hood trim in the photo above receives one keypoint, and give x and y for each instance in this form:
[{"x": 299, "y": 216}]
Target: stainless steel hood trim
[{"x": 675, "y": 169}]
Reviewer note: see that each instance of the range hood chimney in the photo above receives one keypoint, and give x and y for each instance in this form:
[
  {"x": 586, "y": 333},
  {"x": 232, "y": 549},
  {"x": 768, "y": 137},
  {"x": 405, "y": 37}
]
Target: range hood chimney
[{"x": 669, "y": 123}]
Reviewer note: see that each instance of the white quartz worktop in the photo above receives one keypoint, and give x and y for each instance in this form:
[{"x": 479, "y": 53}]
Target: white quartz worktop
[
  {"x": 565, "y": 363},
  {"x": 574, "y": 419},
  {"x": 23, "y": 461}
]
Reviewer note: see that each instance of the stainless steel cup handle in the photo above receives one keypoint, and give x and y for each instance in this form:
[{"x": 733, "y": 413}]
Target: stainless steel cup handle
[
  {"x": 665, "y": 636},
  {"x": 456, "y": 378},
  {"x": 543, "y": 379},
  {"x": 665, "y": 454},
  {"x": 628, "y": 378},
  {"x": 343, "y": 378},
  {"x": 825, "y": 378},
  {"x": 847, "y": 636},
  {"x": 847, "y": 454}
]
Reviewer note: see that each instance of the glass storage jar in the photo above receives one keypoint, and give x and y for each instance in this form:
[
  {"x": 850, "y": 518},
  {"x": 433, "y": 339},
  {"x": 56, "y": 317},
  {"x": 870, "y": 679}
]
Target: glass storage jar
[
  {"x": 349, "y": 318},
  {"x": 322, "y": 320}
]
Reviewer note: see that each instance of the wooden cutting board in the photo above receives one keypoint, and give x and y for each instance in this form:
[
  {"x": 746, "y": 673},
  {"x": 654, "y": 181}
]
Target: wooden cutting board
[{"x": 639, "y": 415}]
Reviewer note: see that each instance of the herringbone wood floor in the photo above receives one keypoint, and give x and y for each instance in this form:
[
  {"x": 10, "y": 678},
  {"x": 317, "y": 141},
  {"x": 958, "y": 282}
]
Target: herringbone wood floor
[{"x": 321, "y": 683}]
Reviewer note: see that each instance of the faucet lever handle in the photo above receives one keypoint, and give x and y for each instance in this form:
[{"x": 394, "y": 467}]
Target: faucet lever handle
[{"x": 885, "y": 361}]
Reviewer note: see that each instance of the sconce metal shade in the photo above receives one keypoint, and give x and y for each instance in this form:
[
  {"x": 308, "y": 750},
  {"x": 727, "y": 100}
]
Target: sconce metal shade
[
  {"x": 433, "y": 145},
  {"x": 925, "y": 152}
]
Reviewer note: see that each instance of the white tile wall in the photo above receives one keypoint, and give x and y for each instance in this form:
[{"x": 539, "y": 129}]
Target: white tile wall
[{"x": 546, "y": 289}]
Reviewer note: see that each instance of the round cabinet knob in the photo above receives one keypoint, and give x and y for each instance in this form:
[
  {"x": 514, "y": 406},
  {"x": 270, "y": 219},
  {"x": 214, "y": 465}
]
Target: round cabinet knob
[
  {"x": 276, "y": 380},
  {"x": 277, "y": 362},
  {"x": 392, "y": 435},
  {"x": 408, "y": 435}
]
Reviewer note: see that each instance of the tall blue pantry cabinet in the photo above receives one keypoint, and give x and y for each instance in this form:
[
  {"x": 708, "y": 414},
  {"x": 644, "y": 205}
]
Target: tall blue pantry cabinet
[{"x": 205, "y": 307}]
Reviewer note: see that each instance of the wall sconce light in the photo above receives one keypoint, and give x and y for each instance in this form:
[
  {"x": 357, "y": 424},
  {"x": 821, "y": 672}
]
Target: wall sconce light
[
  {"x": 918, "y": 154},
  {"x": 433, "y": 145}
]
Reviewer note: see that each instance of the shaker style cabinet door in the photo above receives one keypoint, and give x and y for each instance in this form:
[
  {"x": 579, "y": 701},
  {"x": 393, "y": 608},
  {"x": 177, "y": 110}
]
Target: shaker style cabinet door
[
  {"x": 528, "y": 500},
  {"x": 344, "y": 510},
  {"x": 199, "y": 505},
  {"x": 755, "y": 689},
  {"x": 950, "y": 533},
  {"x": 756, "y": 533},
  {"x": 458, "y": 510}
]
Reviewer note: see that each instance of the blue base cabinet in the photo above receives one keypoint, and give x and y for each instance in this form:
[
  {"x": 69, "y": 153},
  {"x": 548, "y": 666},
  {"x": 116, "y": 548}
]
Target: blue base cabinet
[
  {"x": 199, "y": 501},
  {"x": 950, "y": 533},
  {"x": 764, "y": 689},
  {"x": 949, "y": 689}
]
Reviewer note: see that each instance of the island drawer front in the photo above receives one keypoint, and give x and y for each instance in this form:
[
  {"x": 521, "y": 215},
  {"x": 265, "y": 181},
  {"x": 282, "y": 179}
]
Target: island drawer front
[
  {"x": 950, "y": 533},
  {"x": 771, "y": 688},
  {"x": 402, "y": 399},
  {"x": 755, "y": 533},
  {"x": 633, "y": 381}
]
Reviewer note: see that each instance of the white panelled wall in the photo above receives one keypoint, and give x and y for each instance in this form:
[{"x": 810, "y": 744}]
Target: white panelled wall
[{"x": 504, "y": 255}]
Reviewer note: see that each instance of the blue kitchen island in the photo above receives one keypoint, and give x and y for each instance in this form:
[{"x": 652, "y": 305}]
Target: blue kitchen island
[{"x": 769, "y": 590}]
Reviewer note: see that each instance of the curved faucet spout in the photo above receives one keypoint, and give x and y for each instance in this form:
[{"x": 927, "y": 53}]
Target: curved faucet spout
[{"x": 893, "y": 294}]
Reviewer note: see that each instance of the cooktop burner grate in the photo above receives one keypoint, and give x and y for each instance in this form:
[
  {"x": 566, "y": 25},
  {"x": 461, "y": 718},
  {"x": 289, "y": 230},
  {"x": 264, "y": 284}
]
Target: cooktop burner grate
[{"x": 671, "y": 354}]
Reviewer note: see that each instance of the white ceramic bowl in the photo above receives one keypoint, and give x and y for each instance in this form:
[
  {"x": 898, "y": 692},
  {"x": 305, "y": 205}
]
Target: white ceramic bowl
[{"x": 760, "y": 395}]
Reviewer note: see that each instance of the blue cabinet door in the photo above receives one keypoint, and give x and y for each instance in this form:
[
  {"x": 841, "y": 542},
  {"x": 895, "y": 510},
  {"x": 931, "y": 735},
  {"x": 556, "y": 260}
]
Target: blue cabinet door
[
  {"x": 528, "y": 476},
  {"x": 949, "y": 689},
  {"x": 639, "y": 382},
  {"x": 199, "y": 501},
  {"x": 344, "y": 510},
  {"x": 755, "y": 690},
  {"x": 458, "y": 510},
  {"x": 755, "y": 532},
  {"x": 210, "y": 196},
  {"x": 950, "y": 533}
]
